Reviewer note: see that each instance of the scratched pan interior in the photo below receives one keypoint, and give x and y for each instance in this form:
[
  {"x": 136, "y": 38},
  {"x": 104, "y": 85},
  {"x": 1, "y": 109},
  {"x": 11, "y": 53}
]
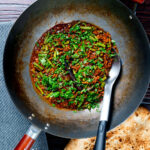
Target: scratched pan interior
[{"x": 113, "y": 17}]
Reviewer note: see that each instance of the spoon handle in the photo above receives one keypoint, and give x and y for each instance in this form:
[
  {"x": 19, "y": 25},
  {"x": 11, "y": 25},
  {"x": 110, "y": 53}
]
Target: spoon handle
[{"x": 101, "y": 136}]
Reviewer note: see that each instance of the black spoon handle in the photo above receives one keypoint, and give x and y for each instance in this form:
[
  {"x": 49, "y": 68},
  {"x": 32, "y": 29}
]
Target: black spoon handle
[{"x": 101, "y": 136}]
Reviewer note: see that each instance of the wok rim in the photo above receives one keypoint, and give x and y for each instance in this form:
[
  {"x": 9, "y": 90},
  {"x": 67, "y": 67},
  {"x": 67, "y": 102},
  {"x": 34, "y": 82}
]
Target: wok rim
[{"x": 35, "y": 122}]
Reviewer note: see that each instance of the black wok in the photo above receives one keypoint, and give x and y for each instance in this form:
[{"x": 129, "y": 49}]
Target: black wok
[{"x": 113, "y": 17}]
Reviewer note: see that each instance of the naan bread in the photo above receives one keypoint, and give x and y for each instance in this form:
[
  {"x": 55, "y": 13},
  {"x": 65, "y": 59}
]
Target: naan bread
[
  {"x": 81, "y": 144},
  {"x": 133, "y": 134}
]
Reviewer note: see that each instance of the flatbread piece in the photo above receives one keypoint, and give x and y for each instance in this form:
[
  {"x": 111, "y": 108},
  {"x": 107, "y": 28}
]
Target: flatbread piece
[{"x": 133, "y": 134}]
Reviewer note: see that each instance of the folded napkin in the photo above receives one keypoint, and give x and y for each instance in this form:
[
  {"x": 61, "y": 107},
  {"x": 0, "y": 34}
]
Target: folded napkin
[{"x": 12, "y": 123}]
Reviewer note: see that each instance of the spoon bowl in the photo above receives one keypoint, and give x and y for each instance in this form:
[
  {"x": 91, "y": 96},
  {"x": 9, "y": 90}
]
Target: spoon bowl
[{"x": 115, "y": 70}]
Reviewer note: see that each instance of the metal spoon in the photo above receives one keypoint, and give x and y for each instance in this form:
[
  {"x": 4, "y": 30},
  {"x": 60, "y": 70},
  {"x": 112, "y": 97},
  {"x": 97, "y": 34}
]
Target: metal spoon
[{"x": 101, "y": 133}]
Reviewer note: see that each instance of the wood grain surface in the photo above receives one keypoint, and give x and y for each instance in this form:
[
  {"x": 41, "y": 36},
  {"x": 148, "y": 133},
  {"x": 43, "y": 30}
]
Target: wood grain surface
[{"x": 10, "y": 10}]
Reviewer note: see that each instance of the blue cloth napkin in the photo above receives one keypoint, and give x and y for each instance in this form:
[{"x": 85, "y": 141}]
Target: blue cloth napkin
[{"x": 12, "y": 124}]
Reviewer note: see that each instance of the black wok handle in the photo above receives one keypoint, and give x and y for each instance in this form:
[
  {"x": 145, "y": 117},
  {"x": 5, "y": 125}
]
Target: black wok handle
[{"x": 101, "y": 136}]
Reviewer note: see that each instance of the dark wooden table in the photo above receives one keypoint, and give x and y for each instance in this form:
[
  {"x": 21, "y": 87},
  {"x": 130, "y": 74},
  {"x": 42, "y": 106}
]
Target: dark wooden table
[{"x": 10, "y": 10}]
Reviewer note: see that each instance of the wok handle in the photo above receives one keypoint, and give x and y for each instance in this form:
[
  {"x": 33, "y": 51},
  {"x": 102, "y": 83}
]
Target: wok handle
[
  {"x": 101, "y": 136},
  {"x": 28, "y": 139},
  {"x": 138, "y": 1}
]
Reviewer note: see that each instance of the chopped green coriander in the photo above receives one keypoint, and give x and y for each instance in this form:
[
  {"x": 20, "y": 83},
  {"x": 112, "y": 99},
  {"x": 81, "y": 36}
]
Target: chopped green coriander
[
  {"x": 85, "y": 27},
  {"x": 70, "y": 64},
  {"x": 100, "y": 44},
  {"x": 114, "y": 43},
  {"x": 38, "y": 66},
  {"x": 98, "y": 52},
  {"x": 53, "y": 105}
]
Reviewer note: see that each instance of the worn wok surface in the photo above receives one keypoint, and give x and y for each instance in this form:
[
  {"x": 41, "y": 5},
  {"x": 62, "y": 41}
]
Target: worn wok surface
[{"x": 113, "y": 17}]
